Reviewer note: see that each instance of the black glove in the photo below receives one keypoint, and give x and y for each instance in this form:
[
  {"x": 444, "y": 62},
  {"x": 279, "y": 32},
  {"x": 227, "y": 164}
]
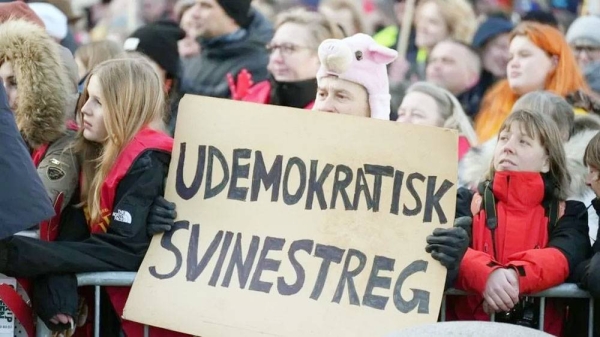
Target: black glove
[
  {"x": 448, "y": 246},
  {"x": 161, "y": 217},
  {"x": 55, "y": 294}
]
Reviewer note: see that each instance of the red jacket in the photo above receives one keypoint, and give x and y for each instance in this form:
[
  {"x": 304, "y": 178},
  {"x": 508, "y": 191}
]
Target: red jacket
[
  {"x": 261, "y": 92},
  {"x": 542, "y": 259}
]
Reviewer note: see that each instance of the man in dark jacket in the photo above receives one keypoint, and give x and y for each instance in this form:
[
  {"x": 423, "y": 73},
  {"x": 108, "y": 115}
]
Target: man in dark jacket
[
  {"x": 233, "y": 36},
  {"x": 22, "y": 195}
]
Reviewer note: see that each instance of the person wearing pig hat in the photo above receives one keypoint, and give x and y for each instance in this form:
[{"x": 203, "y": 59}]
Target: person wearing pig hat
[
  {"x": 352, "y": 80},
  {"x": 353, "y": 77}
]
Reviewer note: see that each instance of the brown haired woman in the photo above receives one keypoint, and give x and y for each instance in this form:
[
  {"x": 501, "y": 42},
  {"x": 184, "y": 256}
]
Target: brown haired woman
[{"x": 525, "y": 237}]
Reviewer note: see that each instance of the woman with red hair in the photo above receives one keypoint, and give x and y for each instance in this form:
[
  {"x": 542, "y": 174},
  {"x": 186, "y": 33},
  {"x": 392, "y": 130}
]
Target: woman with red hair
[{"x": 540, "y": 59}]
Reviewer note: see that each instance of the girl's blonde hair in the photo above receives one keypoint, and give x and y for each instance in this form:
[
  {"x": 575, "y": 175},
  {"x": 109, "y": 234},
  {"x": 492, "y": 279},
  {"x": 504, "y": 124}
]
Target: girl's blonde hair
[
  {"x": 459, "y": 17},
  {"x": 94, "y": 53},
  {"x": 319, "y": 26},
  {"x": 132, "y": 99},
  {"x": 536, "y": 124},
  {"x": 449, "y": 108}
]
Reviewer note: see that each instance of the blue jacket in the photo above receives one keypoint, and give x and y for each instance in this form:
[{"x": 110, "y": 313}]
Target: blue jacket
[{"x": 23, "y": 197}]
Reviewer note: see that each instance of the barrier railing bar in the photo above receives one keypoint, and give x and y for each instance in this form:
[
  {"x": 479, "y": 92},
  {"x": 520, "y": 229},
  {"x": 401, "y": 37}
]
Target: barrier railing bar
[
  {"x": 122, "y": 279},
  {"x": 542, "y": 313},
  {"x": 569, "y": 290},
  {"x": 591, "y": 319},
  {"x": 443, "y": 310},
  {"x": 97, "y": 311}
]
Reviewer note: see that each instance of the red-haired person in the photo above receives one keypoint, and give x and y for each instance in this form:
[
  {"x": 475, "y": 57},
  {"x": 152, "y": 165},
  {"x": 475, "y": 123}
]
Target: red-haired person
[{"x": 540, "y": 59}]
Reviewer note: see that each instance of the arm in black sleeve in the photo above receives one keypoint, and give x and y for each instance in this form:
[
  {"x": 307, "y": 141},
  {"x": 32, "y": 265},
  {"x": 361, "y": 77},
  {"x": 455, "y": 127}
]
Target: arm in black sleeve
[
  {"x": 121, "y": 248},
  {"x": 571, "y": 236}
]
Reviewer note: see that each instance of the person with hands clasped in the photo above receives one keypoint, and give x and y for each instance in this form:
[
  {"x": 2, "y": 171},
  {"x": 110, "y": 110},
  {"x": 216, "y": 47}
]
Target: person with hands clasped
[{"x": 525, "y": 238}]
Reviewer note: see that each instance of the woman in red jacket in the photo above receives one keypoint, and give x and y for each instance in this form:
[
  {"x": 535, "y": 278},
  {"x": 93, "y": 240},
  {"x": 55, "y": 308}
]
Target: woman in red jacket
[
  {"x": 293, "y": 63},
  {"x": 525, "y": 237}
]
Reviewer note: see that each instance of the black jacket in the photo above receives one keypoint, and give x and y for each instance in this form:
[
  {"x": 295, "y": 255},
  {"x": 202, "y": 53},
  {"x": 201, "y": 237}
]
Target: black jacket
[
  {"x": 206, "y": 74},
  {"x": 588, "y": 272},
  {"x": 22, "y": 194},
  {"x": 121, "y": 248}
]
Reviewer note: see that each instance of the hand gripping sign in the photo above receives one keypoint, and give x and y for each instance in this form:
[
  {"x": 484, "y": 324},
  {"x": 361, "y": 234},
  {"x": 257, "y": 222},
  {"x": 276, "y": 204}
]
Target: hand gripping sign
[{"x": 296, "y": 223}]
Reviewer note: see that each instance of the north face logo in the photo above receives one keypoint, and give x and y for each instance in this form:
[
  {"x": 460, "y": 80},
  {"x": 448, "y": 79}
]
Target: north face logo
[{"x": 122, "y": 216}]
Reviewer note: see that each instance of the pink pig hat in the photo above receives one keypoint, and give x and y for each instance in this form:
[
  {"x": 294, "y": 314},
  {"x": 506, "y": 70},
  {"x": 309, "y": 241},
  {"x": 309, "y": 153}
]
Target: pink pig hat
[{"x": 361, "y": 60}]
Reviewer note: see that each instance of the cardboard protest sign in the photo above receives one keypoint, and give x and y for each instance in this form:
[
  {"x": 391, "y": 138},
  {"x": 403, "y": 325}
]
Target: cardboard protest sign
[{"x": 297, "y": 223}]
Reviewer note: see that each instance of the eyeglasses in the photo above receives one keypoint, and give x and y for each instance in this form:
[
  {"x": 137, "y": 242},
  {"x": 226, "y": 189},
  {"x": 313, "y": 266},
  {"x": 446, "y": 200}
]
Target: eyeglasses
[
  {"x": 285, "y": 48},
  {"x": 589, "y": 50}
]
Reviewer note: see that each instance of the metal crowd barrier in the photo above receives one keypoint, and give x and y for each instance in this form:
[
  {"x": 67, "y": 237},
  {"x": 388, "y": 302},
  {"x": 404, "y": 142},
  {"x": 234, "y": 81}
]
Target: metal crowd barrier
[
  {"x": 566, "y": 290},
  {"x": 97, "y": 280}
]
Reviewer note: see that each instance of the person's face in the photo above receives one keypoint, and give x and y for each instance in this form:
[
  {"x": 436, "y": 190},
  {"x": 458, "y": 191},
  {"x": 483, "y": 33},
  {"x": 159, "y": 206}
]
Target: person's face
[
  {"x": 189, "y": 24},
  {"x": 152, "y": 10},
  {"x": 528, "y": 66},
  {"x": 399, "y": 8},
  {"x": 448, "y": 68},
  {"x": 420, "y": 109},
  {"x": 593, "y": 180},
  {"x": 430, "y": 26},
  {"x": 516, "y": 151},
  {"x": 343, "y": 97},
  {"x": 495, "y": 55},
  {"x": 585, "y": 54},
  {"x": 210, "y": 19},
  {"x": 342, "y": 17},
  {"x": 10, "y": 84},
  {"x": 291, "y": 57},
  {"x": 94, "y": 128}
]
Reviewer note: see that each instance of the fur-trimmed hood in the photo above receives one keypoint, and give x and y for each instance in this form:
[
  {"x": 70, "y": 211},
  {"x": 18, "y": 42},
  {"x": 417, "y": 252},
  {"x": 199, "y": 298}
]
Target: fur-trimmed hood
[
  {"x": 41, "y": 79},
  {"x": 476, "y": 163}
]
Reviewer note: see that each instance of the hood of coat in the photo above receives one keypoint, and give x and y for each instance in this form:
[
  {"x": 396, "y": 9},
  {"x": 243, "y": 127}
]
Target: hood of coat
[
  {"x": 42, "y": 81},
  {"x": 475, "y": 164}
]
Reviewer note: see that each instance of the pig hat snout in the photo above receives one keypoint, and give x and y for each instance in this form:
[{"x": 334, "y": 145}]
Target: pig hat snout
[{"x": 361, "y": 60}]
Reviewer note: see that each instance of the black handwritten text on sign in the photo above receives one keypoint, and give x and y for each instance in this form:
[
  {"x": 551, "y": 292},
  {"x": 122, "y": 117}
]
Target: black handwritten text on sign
[
  {"x": 244, "y": 260},
  {"x": 349, "y": 185}
]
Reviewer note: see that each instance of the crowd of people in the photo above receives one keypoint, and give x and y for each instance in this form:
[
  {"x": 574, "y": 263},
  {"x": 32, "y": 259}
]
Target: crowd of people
[{"x": 89, "y": 108}]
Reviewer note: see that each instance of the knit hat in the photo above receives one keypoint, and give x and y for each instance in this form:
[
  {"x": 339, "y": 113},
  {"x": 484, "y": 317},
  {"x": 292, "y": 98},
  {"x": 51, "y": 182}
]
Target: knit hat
[
  {"x": 65, "y": 7},
  {"x": 541, "y": 16},
  {"x": 54, "y": 20},
  {"x": 158, "y": 41},
  {"x": 361, "y": 60},
  {"x": 585, "y": 28},
  {"x": 489, "y": 29},
  {"x": 238, "y": 10},
  {"x": 19, "y": 10}
]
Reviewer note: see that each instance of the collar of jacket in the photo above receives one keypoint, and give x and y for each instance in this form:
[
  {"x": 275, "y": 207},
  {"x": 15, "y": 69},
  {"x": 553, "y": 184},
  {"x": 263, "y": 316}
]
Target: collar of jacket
[
  {"x": 238, "y": 35},
  {"x": 521, "y": 190}
]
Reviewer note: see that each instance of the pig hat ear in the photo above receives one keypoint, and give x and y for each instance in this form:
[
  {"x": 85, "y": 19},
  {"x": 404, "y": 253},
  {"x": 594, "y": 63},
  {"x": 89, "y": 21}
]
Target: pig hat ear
[{"x": 381, "y": 55}]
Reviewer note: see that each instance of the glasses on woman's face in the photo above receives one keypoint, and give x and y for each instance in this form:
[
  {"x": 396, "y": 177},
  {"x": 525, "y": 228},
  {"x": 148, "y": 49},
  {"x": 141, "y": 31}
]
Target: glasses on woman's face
[
  {"x": 591, "y": 51},
  {"x": 285, "y": 48}
]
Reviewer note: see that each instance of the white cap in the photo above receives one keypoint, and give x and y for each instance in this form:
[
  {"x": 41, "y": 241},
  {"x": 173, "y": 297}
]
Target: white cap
[{"x": 54, "y": 20}]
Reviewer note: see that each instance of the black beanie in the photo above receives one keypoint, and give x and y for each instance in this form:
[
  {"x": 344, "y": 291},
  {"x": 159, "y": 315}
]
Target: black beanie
[
  {"x": 158, "y": 41},
  {"x": 238, "y": 10}
]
